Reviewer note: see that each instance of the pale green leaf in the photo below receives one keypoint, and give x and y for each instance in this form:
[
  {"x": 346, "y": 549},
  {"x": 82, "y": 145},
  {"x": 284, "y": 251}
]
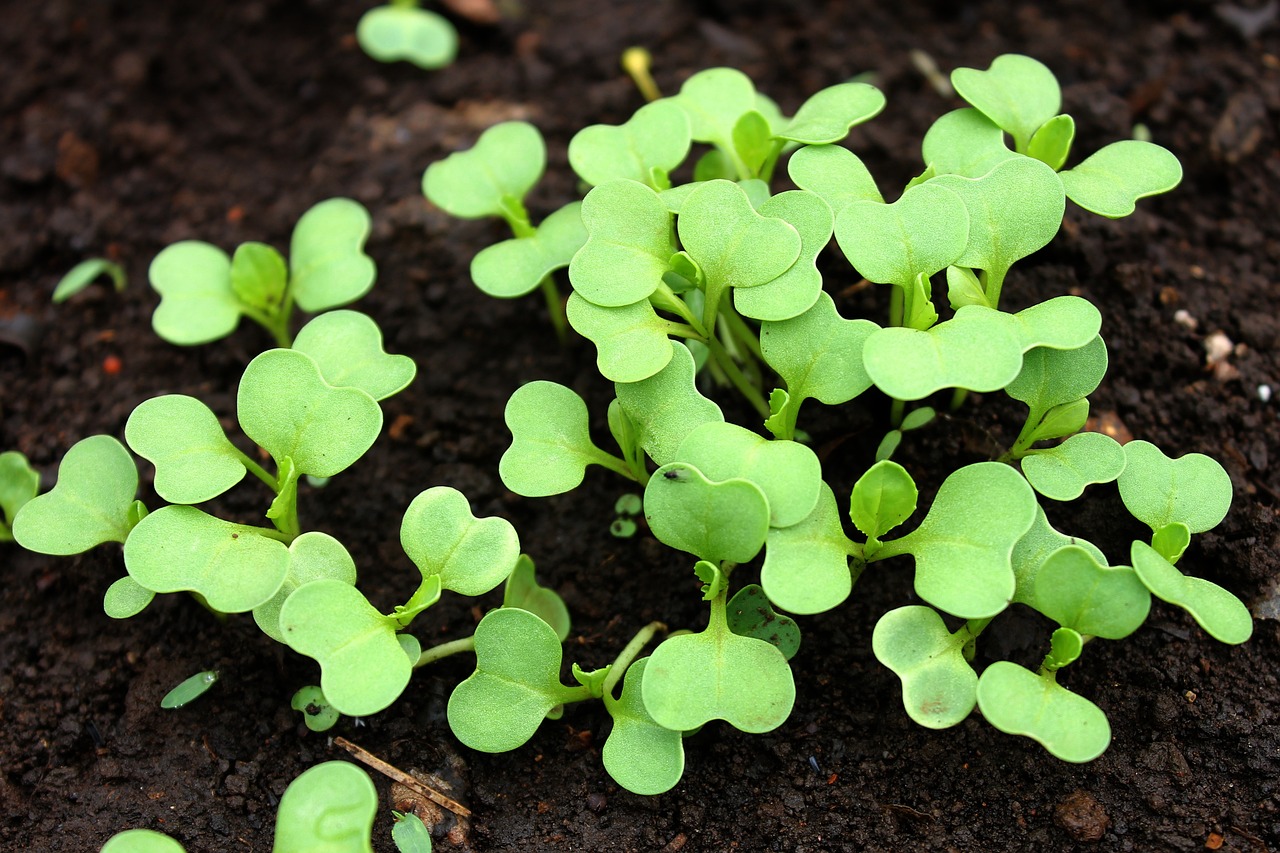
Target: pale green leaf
[
  {"x": 1017, "y": 92},
  {"x": 347, "y": 347},
  {"x": 1061, "y": 473},
  {"x": 1110, "y": 182},
  {"x": 714, "y": 521},
  {"x": 83, "y": 274},
  {"x": 1192, "y": 489},
  {"x": 399, "y": 32},
  {"x": 197, "y": 304},
  {"x": 829, "y": 114},
  {"x": 471, "y": 555},
  {"x": 327, "y": 263},
  {"x": 1019, "y": 702},
  {"x": 667, "y": 406},
  {"x": 505, "y": 163},
  {"x": 1223, "y": 616},
  {"x": 806, "y": 565},
  {"x": 194, "y": 460},
  {"x": 797, "y": 289},
  {"x": 964, "y": 142},
  {"x": 328, "y": 809},
  {"x": 1076, "y": 591},
  {"x": 922, "y": 232},
  {"x": 640, "y": 755},
  {"x": 939, "y": 687},
  {"x": 515, "y": 267},
  {"x": 313, "y": 556},
  {"x": 834, "y": 174},
  {"x": 655, "y": 138}
]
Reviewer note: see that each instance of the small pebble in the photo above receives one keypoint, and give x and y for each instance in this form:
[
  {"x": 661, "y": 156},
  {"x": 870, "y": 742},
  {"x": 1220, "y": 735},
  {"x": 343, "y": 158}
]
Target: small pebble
[
  {"x": 1183, "y": 318},
  {"x": 1082, "y": 816},
  {"x": 1217, "y": 347},
  {"x": 1264, "y": 393}
]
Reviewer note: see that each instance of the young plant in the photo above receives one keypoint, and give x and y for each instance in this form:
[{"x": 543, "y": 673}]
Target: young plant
[
  {"x": 403, "y": 31},
  {"x": 204, "y": 292},
  {"x": 86, "y": 273}
]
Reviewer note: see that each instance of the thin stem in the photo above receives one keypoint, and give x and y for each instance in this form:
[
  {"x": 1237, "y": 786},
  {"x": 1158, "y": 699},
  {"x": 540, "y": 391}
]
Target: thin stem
[
  {"x": 897, "y": 300},
  {"x": 435, "y": 653},
  {"x": 1026, "y": 437},
  {"x": 277, "y": 535},
  {"x": 749, "y": 391},
  {"x": 896, "y": 412},
  {"x": 616, "y": 464},
  {"x": 958, "y": 396},
  {"x": 636, "y": 61},
  {"x": 256, "y": 470},
  {"x": 555, "y": 308},
  {"x": 993, "y": 283},
  {"x": 743, "y": 333},
  {"x": 628, "y": 654}
]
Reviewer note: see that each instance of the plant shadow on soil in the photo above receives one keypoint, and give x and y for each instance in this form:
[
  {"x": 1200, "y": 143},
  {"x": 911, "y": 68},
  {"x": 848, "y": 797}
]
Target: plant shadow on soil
[{"x": 129, "y": 126}]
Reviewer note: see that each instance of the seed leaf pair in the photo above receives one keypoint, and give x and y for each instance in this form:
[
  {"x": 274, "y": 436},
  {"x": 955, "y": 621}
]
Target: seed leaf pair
[
  {"x": 645, "y": 149},
  {"x": 491, "y": 178},
  {"x": 516, "y": 267},
  {"x": 400, "y": 32}
]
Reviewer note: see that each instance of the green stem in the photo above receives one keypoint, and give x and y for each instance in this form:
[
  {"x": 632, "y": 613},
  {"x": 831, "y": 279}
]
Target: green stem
[
  {"x": 749, "y": 391},
  {"x": 435, "y": 653},
  {"x": 277, "y": 323},
  {"x": 628, "y": 654},
  {"x": 555, "y": 308},
  {"x": 993, "y": 283},
  {"x": 278, "y": 535},
  {"x": 1026, "y": 438},
  {"x": 897, "y": 305},
  {"x": 958, "y": 396},
  {"x": 743, "y": 333},
  {"x": 616, "y": 464},
  {"x": 770, "y": 162},
  {"x": 896, "y": 412},
  {"x": 256, "y": 470}
]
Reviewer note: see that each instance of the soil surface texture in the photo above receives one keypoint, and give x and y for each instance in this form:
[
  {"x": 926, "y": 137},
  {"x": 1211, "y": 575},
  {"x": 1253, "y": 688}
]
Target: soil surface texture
[{"x": 126, "y": 126}]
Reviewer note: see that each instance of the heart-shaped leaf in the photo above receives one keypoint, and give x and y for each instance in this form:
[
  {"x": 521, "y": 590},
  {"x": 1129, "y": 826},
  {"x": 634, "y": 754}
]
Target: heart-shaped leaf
[
  {"x": 797, "y": 289},
  {"x": 523, "y": 591},
  {"x": 787, "y": 472},
  {"x": 19, "y": 483},
  {"x": 653, "y": 141},
  {"x": 1110, "y": 182},
  {"x": 964, "y": 545},
  {"x": 806, "y": 565},
  {"x": 516, "y": 682},
  {"x": 1036, "y": 545},
  {"x": 884, "y": 497},
  {"x": 628, "y": 244},
  {"x": 631, "y": 340},
  {"x": 194, "y": 460},
  {"x": 317, "y": 714},
  {"x": 692, "y": 679},
  {"x": 964, "y": 142},
  {"x": 329, "y": 807},
  {"x": 182, "y": 549},
  {"x": 1051, "y": 144},
  {"x": 829, "y": 114},
  {"x": 714, "y": 521},
  {"x": 751, "y": 615},
  {"x": 834, "y": 174},
  {"x": 1064, "y": 322},
  {"x": 347, "y": 347},
  {"x": 1223, "y": 616},
  {"x": 363, "y": 667},
  {"x": 1061, "y": 473},
  {"x": 640, "y": 755},
  {"x": 89, "y": 505},
  {"x": 126, "y": 598},
  {"x": 327, "y": 263},
  {"x": 939, "y": 687},
  {"x": 1053, "y": 377},
  {"x": 313, "y": 556},
  {"x": 285, "y": 405},
  {"x": 399, "y": 32},
  {"x": 922, "y": 232},
  {"x": 977, "y": 349},
  {"x": 197, "y": 304},
  {"x": 490, "y": 178},
  {"x": 515, "y": 267},
  {"x": 1019, "y": 702},
  {"x": 1078, "y": 592},
  {"x": 714, "y": 100},
  {"x": 1192, "y": 489},
  {"x": 1017, "y": 93},
  {"x": 551, "y": 446},
  {"x": 667, "y": 406},
  {"x": 259, "y": 277},
  {"x": 471, "y": 555}
]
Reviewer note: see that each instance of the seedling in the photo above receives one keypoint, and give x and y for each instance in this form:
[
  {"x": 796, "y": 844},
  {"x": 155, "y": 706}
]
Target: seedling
[
  {"x": 190, "y": 689},
  {"x": 627, "y": 507},
  {"x": 204, "y": 292},
  {"x": 403, "y": 31},
  {"x": 86, "y": 273},
  {"x": 410, "y": 834}
]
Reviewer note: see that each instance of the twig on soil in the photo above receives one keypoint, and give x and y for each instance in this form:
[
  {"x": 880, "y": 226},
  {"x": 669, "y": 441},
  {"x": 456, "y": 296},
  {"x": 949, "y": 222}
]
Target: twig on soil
[{"x": 403, "y": 778}]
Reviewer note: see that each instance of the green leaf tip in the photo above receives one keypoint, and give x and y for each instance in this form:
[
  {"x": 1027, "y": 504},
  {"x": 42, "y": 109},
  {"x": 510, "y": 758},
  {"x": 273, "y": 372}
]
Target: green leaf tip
[
  {"x": 84, "y": 273},
  {"x": 194, "y": 460},
  {"x": 1018, "y": 93},
  {"x": 347, "y": 348},
  {"x": 1078, "y": 592}
]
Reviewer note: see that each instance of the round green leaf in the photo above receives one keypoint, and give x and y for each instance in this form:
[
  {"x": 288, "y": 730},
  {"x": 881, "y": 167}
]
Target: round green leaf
[
  {"x": 977, "y": 349},
  {"x": 523, "y": 591},
  {"x": 1110, "y": 182},
  {"x": 1223, "y": 616},
  {"x": 1064, "y": 322},
  {"x": 1192, "y": 489},
  {"x": 631, "y": 340},
  {"x": 327, "y": 263},
  {"x": 363, "y": 669},
  {"x": 751, "y": 615},
  {"x": 232, "y": 566},
  {"x": 1036, "y": 545},
  {"x": 1019, "y": 702},
  {"x": 640, "y": 755},
  {"x": 347, "y": 347},
  {"x": 141, "y": 841},
  {"x": 515, "y": 267},
  {"x": 126, "y": 598},
  {"x": 714, "y": 100},
  {"x": 399, "y": 32},
  {"x": 806, "y": 565},
  {"x": 884, "y": 497},
  {"x": 713, "y": 521},
  {"x": 667, "y": 406},
  {"x": 1061, "y": 473},
  {"x": 505, "y": 163},
  {"x": 194, "y": 460},
  {"x": 551, "y": 445},
  {"x": 516, "y": 682},
  {"x": 964, "y": 142},
  {"x": 829, "y": 114},
  {"x": 317, "y": 714},
  {"x": 628, "y": 245},
  {"x": 1078, "y": 592},
  {"x": 89, "y": 505},
  {"x": 313, "y": 556},
  {"x": 329, "y": 808},
  {"x": 655, "y": 138},
  {"x": 797, "y": 289},
  {"x": 964, "y": 545},
  {"x": 1017, "y": 93},
  {"x": 818, "y": 353},
  {"x": 1053, "y": 377},
  {"x": 197, "y": 304},
  {"x": 834, "y": 174},
  {"x": 787, "y": 472},
  {"x": 19, "y": 483},
  {"x": 924, "y": 231},
  {"x": 471, "y": 555},
  {"x": 285, "y": 406},
  {"x": 939, "y": 687}
]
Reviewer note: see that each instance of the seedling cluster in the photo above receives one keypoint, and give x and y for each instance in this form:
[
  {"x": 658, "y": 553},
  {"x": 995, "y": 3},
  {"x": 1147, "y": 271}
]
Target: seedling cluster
[{"x": 686, "y": 287}]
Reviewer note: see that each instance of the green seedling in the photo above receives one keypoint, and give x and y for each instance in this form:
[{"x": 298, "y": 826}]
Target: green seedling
[
  {"x": 189, "y": 690},
  {"x": 86, "y": 273},
  {"x": 19, "y": 483},
  {"x": 402, "y": 31},
  {"x": 1020, "y": 702},
  {"x": 317, "y": 713},
  {"x": 204, "y": 292},
  {"x": 627, "y": 507},
  {"x": 410, "y": 834},
  {"x": 939, "y": 687}
]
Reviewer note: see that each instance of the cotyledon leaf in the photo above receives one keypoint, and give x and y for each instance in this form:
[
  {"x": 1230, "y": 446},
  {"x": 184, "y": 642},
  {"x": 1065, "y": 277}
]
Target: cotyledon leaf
[
  {"x": 964, "y": 142},
  {"x": 834, "y": 174},
  {"x": 398, "y": 32},
  {"x": 551, "y": 444},
  {"x": 194, "y": 459},
  {"x": 1216, "y": 610},
  {"x": 806, "y": 566},
  {"x": 715, "y": 521},
  {"x": 1061, "y": 473},
  {"x": 197, "y": 303},
  {"x": 1110, "y": 182},
  {"x": 1035, "y": 546},
  {"x": 714, "y": 100},
  {"x": 640, "y": 755},
  {"x": 1078, "y": 592},
  {"x": 655, "y": 137},
  {"x": 347, "y": 347},
  {"x": 939, "y": 687},
  {"x": 828, "y": 115},
  {"x": 19, "y": 483},
  {"x": 471, "y": 555},
  {"x": 1053, "y": 377},
  {"x": 1192, "y": 489},
  {"x": 1064, "y": 322},
  {"x": 517, "y": 266},
  {"x": 1020, "y": 702},
  {"x": 629, "y": 244},
  {"x": 327, "y": 263},
  {"x": 505, "y": 163},
  {"x": 631, "y": 340},
  {"x": 312, "y": 556},
  {"x": 819, "y": 353},
  {"x": 797, "y": 289},
  {"x": 922, "y": 232},
  {"x": 329, "y": 808},
  {"x": 667, "y": 406},
  {"x": 1017, "y": 92}
]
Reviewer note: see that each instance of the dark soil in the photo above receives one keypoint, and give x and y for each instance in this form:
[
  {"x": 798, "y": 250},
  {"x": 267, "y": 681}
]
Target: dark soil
[{"x": 128, "y": 125}]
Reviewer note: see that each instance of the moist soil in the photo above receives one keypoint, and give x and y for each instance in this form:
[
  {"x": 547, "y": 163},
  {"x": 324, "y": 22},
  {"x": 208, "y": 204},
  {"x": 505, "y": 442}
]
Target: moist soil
[{"x": 128, "y": 126}]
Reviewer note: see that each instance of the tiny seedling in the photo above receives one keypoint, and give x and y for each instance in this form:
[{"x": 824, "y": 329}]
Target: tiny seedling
[
  {"x": 403, "y": 31},
  {"x": 86, "y": 273},
  {"x": 204, "y": 292},
  {"x": 190, "y": 689}
]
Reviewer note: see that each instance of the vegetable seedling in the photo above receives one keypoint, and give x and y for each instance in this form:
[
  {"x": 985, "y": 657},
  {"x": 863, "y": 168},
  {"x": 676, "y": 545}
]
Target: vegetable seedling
[
  {"x": 86, "y": 273},
  {"x": 403, "y": 31},
  {"x": 190, "y": 689}
]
